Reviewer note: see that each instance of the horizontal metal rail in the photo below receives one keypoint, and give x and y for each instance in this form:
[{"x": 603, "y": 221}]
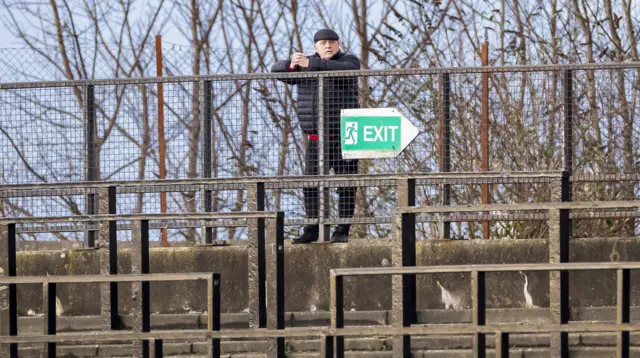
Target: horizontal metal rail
[
  {"x": 132, "y": 217},
  {"x": 378, "y": 220},
  {"x": 293, "y": 182},
  {"x": 188, "y": 223},
  {"x": 385, "y": 271},
  {"x": 584, "y": 205},
  {"x": 151, "y": 277},
  {"x": 425, "y": 215},
  {"x": 362, "y": 73},
  {"x": 594, "y": 178}
]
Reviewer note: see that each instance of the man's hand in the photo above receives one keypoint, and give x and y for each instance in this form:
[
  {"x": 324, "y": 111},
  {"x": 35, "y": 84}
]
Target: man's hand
[{"x": 299, "y": 59}]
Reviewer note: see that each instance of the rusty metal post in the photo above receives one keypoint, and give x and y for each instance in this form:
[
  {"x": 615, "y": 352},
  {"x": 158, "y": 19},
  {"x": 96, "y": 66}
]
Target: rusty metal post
[
  {"x": 559, "y": 280},
  {"x": 161, "y": 140},
  {"x": 445, "y": 147},
  {"x": 275, "y": 289},
  {"x": 257, "y": 258},
  {"x": 623, "y": 312},
  {"x": 484, "y": 135}
]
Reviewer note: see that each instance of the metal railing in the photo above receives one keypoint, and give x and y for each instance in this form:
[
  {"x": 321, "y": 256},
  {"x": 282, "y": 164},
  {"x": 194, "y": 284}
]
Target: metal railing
[
  {"x": 404, "y": 320},
  {"x": 258, "y": 193},
  {"x": 49, "y": 285},
  {"x": 263, "y": 268},
  {"x": 479, "y": 328},
  {"x": 559, "y": 217}
]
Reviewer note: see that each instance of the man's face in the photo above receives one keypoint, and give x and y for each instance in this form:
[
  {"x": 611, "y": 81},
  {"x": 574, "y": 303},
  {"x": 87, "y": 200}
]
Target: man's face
[{"x": 327, "y": 48}]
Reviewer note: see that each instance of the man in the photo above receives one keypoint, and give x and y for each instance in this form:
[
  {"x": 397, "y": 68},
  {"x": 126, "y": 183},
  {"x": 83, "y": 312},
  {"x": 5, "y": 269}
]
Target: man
[{"x": 339, "y": 93}]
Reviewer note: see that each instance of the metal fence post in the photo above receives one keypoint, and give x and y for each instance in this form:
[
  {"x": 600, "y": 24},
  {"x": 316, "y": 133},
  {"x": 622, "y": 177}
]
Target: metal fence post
[
  {"x": 158, "y": 348},
  {"x": 559, "y": 280},
  {"x": 145, "y": 300},
  {"x": 275, "y": 279},
  {"x": 560, "y": 231},
  {"x": 484, "y": 136},
  {"x": 326, "y": 347},
  {"x": 107, "y": 251},
  {"x": 113, "y": 257},
  {"x": 337, "y": 318},
  {"x": 567, "y": 81},
  {"x": 49, "y": 308},
  {"x": 4, "y": 296},
  {"x": 91, "y": 164},
  {"x": 404, "y": 254},
  {"x": 323, "y": 169},
  {"x": 445, "y": 148},
  {"x": 8, "y": 298},
  {"x": 207, "y": 141},
  {"x": 623, "y": 315},
  {"x": 478, "y": 308},
  {"x": 502, "y": 345},
  {"x": 214, "y": 313},
  {"x": 257, "y": 258},
  {"x": 567, "y": 185}
]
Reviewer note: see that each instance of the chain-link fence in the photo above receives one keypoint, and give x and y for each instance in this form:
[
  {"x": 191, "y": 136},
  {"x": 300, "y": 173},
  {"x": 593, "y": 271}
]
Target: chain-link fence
[
  {"x": 48, "y": 63},
  {"x": 581, "y": 119}
]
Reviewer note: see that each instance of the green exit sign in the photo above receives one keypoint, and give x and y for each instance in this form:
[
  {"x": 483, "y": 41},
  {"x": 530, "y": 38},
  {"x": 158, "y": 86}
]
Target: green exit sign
[
  {"x": 374, "y": 133},
  {"x": 371, "y": 133}
]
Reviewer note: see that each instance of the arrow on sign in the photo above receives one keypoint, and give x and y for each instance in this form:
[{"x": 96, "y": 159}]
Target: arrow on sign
[{"x": 374, "y": 133}]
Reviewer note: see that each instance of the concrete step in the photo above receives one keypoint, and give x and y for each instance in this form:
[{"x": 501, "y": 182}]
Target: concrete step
[
  {"x": 425, "y": 346},
  {"x": 516, "y": 353},
  {"x": 34, "y": 325}
]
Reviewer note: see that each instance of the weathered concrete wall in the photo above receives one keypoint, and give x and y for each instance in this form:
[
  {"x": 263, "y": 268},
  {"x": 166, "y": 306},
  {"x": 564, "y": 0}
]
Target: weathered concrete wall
[
  {"x": 175, "y": 297},
  {"x": 307, "y": 275}
]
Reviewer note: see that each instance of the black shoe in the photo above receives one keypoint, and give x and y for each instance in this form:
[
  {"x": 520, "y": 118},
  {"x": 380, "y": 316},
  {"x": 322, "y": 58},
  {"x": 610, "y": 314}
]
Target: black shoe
[
  {"x": 341, "y": 233},
  {"x": 310, "y": 235}
]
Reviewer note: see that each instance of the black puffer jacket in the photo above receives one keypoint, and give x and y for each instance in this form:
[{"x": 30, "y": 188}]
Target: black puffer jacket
[{"x": 339, "y": 92}]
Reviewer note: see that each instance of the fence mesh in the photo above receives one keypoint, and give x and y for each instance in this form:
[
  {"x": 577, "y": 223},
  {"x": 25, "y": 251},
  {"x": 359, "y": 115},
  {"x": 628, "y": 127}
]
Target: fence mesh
[
  {"x": 41, "y": 135},
  {"x": 230, "y": 128},
  {"x": 47, "y": 63}
]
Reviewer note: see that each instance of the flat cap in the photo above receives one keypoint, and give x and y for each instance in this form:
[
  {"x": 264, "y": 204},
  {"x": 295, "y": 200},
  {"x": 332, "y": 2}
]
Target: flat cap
[{"x": 325, "y": 34}]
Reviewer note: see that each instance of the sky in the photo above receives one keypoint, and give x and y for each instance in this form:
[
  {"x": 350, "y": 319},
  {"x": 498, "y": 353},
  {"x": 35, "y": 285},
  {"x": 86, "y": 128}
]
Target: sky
[
  {"x": 8, "y": 40},
  {"x": 170, "y": 34}
]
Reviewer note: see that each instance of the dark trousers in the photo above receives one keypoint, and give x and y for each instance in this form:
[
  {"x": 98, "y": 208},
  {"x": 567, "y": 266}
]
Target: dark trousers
[{"x": 332, "y": 159}]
